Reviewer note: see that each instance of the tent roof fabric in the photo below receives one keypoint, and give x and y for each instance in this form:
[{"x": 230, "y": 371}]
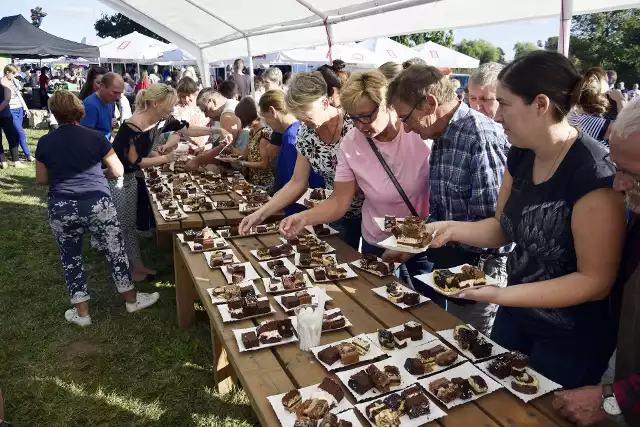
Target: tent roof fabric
[
  {"x": 440, "y": 56},
  {"x": 217, "y": 29},
  {"x": 391, "y": 50},
  {"x": 20, "y": 39},
  {"x": 134, "y": 47}
]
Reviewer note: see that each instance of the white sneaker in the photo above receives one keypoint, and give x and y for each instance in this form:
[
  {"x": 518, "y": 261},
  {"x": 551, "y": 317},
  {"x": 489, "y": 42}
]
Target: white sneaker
[
  {"x": 143, "y": 300},
  {"x": 18, "y": 164},
  {"x": 72, "y": 316},
  {"x": 3, "y": 165}
]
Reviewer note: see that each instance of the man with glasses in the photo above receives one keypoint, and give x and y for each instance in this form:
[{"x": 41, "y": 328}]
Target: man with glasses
[
  {"x": 467, "y": 163},
  {"x": 482, "y": 88},
  {"x": 621, "y": 400}
]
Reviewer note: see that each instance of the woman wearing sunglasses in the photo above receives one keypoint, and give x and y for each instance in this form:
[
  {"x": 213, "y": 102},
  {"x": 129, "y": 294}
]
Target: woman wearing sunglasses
[
  {"x": 318, "y": 142},
  {"x": 377, "y": 129}
]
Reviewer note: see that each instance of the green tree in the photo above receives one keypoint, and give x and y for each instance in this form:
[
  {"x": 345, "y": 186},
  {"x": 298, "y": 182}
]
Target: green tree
[
  {"x": 482, "y": 50},
  {"x": 551, "y": 44},
  {"x": 608, "y": 40},
  {"x": 444, "y": 38},
  {"x": 522, "y": 48},
  {"x": 118, "y": 25}
]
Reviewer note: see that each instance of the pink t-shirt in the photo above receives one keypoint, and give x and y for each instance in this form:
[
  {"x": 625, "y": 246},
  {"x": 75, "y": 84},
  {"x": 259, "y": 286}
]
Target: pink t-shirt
[{"x": 407, "y": 156}]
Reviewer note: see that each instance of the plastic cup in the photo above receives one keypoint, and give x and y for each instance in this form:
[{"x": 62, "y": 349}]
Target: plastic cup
[{"x": 309, "y": 325}]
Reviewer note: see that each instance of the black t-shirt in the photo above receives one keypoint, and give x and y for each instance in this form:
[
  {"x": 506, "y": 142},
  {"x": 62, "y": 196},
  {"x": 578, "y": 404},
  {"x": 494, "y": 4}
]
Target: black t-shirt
[
  {"x": 537, "y": 218},
  {"x": 73, "y": 156},
  {"x": 276, "y": 138},
  {"x": 129, "y": 134}
]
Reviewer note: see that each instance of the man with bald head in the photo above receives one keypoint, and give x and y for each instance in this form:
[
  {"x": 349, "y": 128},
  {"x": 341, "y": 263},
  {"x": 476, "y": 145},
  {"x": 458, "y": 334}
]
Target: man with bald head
[{"x": 99, "y": 107}]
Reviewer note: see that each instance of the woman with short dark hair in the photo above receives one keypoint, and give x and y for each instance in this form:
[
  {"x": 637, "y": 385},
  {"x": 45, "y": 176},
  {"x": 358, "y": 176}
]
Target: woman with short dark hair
[
  {"x": 557, "y": 204},
  {"x": 69, "y": 160}
]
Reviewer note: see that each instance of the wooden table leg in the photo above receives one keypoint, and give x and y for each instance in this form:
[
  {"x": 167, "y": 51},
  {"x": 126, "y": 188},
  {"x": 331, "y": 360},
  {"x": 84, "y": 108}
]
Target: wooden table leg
[
  {"x": 186, "y": 293},
  {"x": 224, "y": 375}
]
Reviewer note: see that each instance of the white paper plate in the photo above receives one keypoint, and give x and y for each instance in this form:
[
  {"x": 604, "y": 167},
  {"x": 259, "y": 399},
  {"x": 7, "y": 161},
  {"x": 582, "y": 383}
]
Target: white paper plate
[
  {"x": 356, "y": 264},
  {"x": 296, "y": 260},
  {"x": 267, "y": 282},
  {"x": 380, "y": 222},
  {"x": 292, "y": 268},
  {"x": 462, "y": 371},
  {"x": 181, "y": 215},
  {"x": 308, "y": 193},
  {"x": 374, "y": 353},
  {"x": 181, "y": 236},
  {"x": 250, "y": 273},
  {"x": 244, "y": 207},
  {"x": 347, "y": 323},
  {"x": 208, "y": 255},
  {"x": 162, "y": 208},
  {"x": 216, "y": 300},
  {"x": 254, "y": 252},
  {"x": 314, "y": 299},
  {"x": 434, "y": 413},
  {"x": 545, "y": 384},
  {"x": 350, "y": 274},
  {"x": 223, "y": 208},
  {"x": 427, "y": 279},
  {"x": 332, "y": 231},
  {"x": 412, "y": 352},
  {"x": 382, "y": 292},
  {"x": 287, "y": 419},
  {"x": 426, "y": 337},
  {"x": 192, "y": 245},
  {"x": 238, "y": 334},
  {"x": 495, "y": 351},
  {"x": 392, "y": 244},
  {"x": 187, "y": 208},
  {"x": 327, "y": 251},
  {"x": 406, "y": 379},
  {"x": 226, "y": 315}
]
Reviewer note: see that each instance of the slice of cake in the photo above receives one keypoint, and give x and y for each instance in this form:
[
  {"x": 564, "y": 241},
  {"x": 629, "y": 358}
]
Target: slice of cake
[
  {"x": 249, "y": 340},
  {"x": 360, "y": 383},
  {"x": 329, "y": 355}
]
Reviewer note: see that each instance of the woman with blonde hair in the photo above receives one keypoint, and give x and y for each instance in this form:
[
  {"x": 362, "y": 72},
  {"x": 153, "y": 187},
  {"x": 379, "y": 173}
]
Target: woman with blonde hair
[
  {"x": 18, "y": 107},
  {"x": 10, "y": 131},
  {"x": 318, "y": 143},
  {"x": 272, "y": 79},
  {"x": 69, "y": 160},
  {"x": 591, "y": 104},
  {"x": 390, "y": 70},
  {"x": 134, "y": 145},
  {"x": 144, "y": 82}
]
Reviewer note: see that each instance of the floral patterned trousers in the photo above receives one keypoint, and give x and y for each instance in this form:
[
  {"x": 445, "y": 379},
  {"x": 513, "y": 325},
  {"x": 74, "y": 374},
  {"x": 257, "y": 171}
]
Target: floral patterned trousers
[{"x": 69, "y": 220}]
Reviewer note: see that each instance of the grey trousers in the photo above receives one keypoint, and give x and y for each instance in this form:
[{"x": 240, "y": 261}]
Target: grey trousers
[
  {"x": 124, "y": 192},
  {"x": 481, "y": 315}
]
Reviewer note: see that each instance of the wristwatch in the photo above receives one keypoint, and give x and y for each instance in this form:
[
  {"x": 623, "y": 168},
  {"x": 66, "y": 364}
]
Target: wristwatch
[{"x": 610, "y": 404}]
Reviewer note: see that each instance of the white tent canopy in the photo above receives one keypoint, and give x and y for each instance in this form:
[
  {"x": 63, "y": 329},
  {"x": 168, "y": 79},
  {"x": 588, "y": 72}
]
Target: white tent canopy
[
  {"x": 440, "y": 56},
  {"x": 134, "y": 48},
  {"x": 176, "y": 56},
  {"x": 391, "y": 50},
  {"x": 216, "y": 29}
]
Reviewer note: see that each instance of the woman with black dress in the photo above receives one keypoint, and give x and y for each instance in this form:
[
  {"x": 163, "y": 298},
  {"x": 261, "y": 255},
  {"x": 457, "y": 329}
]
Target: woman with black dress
[
  {"x": 558, "y": 206},
  {"x": 134, "y": 146}
]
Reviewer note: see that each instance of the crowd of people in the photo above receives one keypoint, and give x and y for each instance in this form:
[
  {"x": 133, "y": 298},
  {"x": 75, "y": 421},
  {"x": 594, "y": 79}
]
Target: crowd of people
[{"x": 524, "y": 173}]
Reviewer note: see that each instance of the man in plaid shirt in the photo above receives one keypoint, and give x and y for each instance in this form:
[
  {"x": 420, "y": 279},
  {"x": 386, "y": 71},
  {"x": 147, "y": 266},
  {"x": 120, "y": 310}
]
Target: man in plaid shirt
[
  {"x": 621, "y": 400},
  {"x": 467, "y": 163}
]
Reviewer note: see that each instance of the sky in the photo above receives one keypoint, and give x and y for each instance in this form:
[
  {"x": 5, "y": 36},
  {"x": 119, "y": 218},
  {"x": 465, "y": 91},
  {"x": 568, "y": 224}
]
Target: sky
[{"x": 74, "y": 19}]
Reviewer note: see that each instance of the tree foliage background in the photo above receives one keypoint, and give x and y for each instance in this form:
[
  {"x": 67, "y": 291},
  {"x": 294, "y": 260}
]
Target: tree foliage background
[
  {"x": 118, "y": 25},
  {"x": 444, "y": 38},
  {"x": 481, "y": 49}
]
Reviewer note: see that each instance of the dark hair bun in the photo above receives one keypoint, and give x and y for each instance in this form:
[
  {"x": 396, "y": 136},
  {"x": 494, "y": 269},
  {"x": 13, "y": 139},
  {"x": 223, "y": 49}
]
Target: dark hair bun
[{"x": 338, "y": 65}]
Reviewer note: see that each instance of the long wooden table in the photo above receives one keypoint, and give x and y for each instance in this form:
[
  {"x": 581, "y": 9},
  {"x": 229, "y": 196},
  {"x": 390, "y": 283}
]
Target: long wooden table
[{"x": 277, "y": 370}]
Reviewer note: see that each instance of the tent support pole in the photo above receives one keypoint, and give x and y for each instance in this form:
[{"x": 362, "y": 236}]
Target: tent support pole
[
  {"x": 251, "y": 80},
  {"x": 565, "y": 27},
  {"x": 204, "y": 69},
  {"x": 138, "y": 69}
]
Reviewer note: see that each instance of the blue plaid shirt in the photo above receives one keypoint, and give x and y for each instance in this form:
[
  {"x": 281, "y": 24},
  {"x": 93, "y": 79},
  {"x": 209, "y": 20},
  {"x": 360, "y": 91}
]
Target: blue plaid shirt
[{"x": 466, "y": 167}]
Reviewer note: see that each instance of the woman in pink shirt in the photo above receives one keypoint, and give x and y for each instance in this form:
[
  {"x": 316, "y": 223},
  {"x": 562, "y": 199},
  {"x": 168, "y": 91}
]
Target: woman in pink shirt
[{"x": 363, "y": 98}]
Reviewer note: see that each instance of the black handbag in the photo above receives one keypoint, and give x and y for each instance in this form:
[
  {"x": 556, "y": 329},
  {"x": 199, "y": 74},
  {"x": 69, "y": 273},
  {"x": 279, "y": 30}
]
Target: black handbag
[{"x": 392, "y": 177}]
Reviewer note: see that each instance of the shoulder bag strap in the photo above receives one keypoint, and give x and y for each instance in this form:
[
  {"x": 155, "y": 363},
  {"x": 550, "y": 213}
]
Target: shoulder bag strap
[{"x": 392, "y": 177}]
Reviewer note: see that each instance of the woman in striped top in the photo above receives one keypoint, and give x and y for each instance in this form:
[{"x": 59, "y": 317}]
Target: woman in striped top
[{"x": 591, "y": 105}]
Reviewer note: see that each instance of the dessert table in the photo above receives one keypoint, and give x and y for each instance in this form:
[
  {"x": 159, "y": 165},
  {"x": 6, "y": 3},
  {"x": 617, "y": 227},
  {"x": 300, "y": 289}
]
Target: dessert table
[{"x": 277, "y": 370}]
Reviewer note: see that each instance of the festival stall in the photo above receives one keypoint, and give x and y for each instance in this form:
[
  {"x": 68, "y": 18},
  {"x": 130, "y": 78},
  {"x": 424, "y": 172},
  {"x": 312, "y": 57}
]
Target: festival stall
[
  {"x": 440, "y": 56},
  {"x": 389, "y": 49}
]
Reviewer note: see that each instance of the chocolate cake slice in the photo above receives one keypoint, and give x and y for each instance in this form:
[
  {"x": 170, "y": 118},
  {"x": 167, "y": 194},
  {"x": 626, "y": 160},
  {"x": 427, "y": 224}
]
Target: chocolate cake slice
[
  {"x": 250, "y": 340},
  {"x": 329, "y": 355},
  {"x": 360, "y": 382}
]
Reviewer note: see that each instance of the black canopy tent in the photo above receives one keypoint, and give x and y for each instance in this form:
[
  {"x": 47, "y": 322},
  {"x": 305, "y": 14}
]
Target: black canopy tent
[{"x": 20, "y": 39}]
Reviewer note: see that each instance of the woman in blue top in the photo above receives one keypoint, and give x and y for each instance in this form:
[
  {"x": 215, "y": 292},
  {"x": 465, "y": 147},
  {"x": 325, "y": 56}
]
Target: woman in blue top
[
  {"x": 273, "y": 110},
  {"x": 69, "y": 161}
]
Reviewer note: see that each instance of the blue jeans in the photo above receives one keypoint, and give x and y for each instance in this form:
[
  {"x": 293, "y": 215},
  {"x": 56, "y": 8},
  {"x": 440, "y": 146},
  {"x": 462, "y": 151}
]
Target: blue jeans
[
  {"x": 416, "y": 265},
  {"x": 350, "y": 230},
  {"x": 18, "y": 115},
  {"x": 572, "y": 353}
]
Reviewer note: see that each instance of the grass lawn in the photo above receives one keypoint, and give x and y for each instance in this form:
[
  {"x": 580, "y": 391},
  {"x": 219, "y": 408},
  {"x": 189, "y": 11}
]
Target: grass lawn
[{"x": 126, "y": 369}]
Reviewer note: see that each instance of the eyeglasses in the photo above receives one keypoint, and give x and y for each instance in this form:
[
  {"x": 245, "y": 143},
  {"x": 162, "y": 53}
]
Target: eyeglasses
[
  {"x": 406, "y": 119},
  {"x": 614, "y": 168},
  {"x": 365, "y": 119}
]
